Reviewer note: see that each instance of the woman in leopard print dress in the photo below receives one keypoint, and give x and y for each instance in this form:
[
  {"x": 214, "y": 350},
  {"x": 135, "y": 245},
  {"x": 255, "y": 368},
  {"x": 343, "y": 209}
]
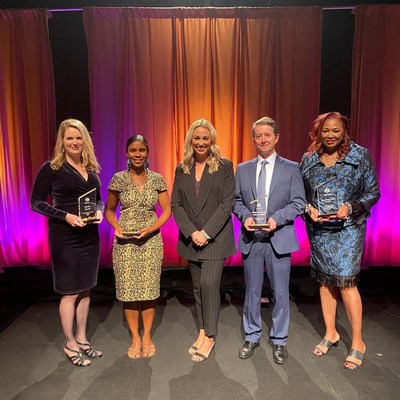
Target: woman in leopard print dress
[{"x": 138, "y": 248}]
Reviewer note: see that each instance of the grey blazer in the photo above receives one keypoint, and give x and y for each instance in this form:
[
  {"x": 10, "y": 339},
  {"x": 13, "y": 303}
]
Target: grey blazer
[
  {"x": 286, "y": 200},
  {"x": 210, "y": 211}
]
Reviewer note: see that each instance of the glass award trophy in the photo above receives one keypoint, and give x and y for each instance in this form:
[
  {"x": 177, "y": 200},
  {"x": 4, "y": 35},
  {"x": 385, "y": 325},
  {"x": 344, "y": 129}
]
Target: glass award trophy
[
  {"x": 87, "y": 207},
  {"x": 326, "y": 198},
  {"x": 260, "y": 213}
]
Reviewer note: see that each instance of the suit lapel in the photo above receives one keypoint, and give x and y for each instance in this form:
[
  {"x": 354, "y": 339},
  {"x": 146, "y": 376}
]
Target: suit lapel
[
  {"x": 252, "y": 173},
  {"x": 190, "y": 189},
  {"x": 278, "y": 168}
]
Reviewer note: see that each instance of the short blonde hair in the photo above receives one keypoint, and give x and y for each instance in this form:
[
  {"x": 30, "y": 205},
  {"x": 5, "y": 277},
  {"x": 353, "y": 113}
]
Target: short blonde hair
[
  {"x": 265, "y": 121},
  {"x": 89, "y": 160},
  {"x": 214, "y": 158}
]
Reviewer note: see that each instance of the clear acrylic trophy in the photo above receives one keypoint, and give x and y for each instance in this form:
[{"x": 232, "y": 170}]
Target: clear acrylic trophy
[
  {"x": 326, "y": 198},
  {"x": 260, "y": 214},
  {"x": 87, "y": 206}
]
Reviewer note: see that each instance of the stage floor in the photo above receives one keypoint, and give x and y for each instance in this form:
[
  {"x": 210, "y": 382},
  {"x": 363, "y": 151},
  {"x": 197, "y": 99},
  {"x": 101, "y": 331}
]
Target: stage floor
[{"x": 33, "y": 365}]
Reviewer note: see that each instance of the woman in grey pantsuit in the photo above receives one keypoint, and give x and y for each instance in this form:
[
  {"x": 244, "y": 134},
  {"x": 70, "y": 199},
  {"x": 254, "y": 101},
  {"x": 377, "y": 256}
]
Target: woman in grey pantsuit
[{"x": 202, "y": 201}]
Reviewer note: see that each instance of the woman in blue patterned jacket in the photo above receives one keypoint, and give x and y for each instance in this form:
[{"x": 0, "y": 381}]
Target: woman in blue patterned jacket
[{"x": 341, "y": 188}]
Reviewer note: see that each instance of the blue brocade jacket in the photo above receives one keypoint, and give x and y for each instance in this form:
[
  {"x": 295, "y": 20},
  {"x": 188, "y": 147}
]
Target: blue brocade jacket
[{"x": 357, "y": 182}]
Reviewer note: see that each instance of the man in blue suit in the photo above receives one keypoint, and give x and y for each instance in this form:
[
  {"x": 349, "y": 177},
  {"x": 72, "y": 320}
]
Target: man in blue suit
[{"x": 274, "y": 187}]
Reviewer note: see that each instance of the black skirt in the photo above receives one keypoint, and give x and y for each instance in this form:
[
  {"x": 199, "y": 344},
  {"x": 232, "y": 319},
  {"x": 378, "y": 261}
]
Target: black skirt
[{"x": 75, "y": 256}]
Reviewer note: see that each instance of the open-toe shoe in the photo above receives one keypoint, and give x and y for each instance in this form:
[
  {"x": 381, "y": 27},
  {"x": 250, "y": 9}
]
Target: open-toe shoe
[
  {"x": 148, "y": 351},
  {"x": 199, "y": 357},
  {"x": 135, "y": 353},
  {"x": 78, "y": 358},
  {"x": 89, "y": 350},
  {"x": 318, "y": 351},
  {"x": 351, "y": 365},
  {"x": 192, "y": 349}
]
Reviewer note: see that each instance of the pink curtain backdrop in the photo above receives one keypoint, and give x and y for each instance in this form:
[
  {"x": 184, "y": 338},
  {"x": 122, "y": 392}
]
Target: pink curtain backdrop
[
  {"x": 154, "y": 71},
  {"x": 27, "y": 132},
  {"x": 376, "y": 120}
]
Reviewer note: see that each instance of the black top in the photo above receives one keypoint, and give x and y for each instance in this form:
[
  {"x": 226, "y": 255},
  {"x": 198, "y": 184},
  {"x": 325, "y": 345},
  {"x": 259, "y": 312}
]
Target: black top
[
  {"x": 64, "y": 186},
  {"x": 75, "y": 251}
]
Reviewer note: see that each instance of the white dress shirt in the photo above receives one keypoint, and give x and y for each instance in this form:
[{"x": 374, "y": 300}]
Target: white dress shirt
[{"x": 269, "y": 171}]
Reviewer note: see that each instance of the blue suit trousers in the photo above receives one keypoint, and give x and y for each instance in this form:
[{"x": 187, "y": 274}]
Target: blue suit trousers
[{"x": 263, "y": 255}]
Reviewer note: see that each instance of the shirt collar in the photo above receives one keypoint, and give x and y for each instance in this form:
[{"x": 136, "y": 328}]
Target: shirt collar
[{"x": 271, "y": 159}]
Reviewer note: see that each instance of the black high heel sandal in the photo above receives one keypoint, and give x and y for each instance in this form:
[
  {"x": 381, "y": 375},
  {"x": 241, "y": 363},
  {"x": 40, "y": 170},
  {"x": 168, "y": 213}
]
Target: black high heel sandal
[
  {"x": 79, "y": 359},
  {"x": 90, "y": 351}
]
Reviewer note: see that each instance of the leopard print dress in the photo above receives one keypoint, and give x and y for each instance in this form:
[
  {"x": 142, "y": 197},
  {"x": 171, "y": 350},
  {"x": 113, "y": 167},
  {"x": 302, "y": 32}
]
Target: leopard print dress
[{"x": 137, "y": 263}]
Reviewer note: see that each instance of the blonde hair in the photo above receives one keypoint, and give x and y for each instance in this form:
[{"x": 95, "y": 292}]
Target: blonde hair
[
  {"x": 214, "y": 158},
  {"x": 89, "y": 160},
  {"x": 265, "y": 121}
]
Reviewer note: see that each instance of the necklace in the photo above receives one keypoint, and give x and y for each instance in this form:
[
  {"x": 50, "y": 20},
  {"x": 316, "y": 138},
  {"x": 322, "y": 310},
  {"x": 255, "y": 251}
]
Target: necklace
[{"x": 329, "y": 159}]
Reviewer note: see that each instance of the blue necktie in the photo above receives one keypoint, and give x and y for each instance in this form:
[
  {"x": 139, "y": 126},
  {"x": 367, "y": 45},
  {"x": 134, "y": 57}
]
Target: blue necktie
[{"x": 262, "y": 177}]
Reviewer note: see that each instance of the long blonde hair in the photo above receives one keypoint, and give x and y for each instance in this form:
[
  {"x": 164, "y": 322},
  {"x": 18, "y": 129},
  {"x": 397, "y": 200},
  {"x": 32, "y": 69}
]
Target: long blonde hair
[
  {"x": 89, "y": 160},
  {"x": 214, "y": 159}
]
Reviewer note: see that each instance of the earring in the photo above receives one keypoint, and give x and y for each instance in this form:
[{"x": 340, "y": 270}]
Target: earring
[{"x": 128, "y": 164}]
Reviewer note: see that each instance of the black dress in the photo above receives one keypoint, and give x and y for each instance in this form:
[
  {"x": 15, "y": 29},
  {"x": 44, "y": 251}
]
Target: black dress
[{"x": 75, "y": 252}]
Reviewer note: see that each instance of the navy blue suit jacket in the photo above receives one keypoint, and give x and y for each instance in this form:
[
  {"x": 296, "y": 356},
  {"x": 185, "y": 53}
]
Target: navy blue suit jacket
[{"x": 286, "y": 200}]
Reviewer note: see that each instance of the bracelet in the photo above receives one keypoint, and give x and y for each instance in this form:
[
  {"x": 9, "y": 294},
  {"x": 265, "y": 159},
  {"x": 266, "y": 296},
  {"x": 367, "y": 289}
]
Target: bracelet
[{"x": 308, "y": 208}]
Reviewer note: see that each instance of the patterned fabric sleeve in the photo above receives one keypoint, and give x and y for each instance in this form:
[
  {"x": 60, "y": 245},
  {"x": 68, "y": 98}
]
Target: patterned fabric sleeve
[
  {"x": 115, "y": 183},
  {"x": 41, "y": 191},
  {"x": 370, "y": 194},
  {"x": 160, "y": 184}
]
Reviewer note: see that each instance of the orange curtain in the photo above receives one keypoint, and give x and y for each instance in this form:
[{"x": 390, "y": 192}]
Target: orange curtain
[
  {"x": 376, "y": 120},
  {"x": 27, "y": 129},
  {"x": 238, "y": 65},
  {"x": 131, "y": 91},
  {"x": 154, "y": 71}
]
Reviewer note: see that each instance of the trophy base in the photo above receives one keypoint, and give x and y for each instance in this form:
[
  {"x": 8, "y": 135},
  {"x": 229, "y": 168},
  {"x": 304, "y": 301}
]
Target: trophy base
[
  {"x": 130, "y": 234},
  {"x": 90, "y": 220},
  {"x": 327, "y": 215},
  {"x": 260, "y": 226}
]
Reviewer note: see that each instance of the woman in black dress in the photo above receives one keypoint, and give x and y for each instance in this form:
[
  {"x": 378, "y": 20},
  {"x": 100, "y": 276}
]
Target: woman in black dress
[{"x": 74, "y": 244}]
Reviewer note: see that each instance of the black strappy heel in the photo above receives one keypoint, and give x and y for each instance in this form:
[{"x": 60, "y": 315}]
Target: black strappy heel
[
  {"x": 79, "y": 359},
  {"x": 90, "y": 351}
]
